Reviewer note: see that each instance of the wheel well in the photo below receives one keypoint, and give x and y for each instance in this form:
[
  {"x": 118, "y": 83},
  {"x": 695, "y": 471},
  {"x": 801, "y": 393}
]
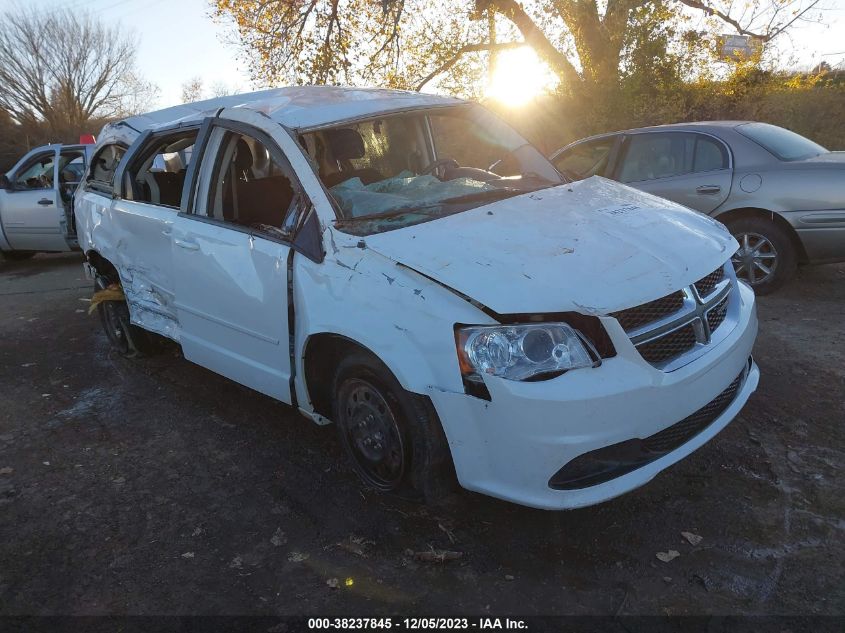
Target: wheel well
[
  {"x": 103, "y": 266},
  {"x": 322, "y": 354},
  {"x": 777, "y": 218}
]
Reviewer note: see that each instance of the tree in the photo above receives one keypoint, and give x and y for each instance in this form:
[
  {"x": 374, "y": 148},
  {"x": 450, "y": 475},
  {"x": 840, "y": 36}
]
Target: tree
[
  {"x": 408, "y": 43},
  {"x": 64, "y": 69},
  {"x": 192, "y": 90}
]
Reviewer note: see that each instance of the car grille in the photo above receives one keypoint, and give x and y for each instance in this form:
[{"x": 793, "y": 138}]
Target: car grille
[
  {"x": 672, "y": 437},
  {"x": 717, "y": 315},
  {"x": 666, "y": 329},
  {"x": 669, "y": 346},
  {"x": 707, "y": 284},
  {"x": 638, "y": 316}
]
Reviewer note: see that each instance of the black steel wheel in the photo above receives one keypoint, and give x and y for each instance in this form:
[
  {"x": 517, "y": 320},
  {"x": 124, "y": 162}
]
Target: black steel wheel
[
  {"x": 393, "y": 438},
  {"x": 371, "y": 434}
]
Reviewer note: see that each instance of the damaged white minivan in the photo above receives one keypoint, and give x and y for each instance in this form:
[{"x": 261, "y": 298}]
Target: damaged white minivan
[{"x": 408, "y": 267}]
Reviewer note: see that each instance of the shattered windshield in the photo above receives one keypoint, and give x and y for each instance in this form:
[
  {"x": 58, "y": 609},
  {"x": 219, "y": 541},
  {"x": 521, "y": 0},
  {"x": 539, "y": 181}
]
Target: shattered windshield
[{"x": 403, "y": 169}]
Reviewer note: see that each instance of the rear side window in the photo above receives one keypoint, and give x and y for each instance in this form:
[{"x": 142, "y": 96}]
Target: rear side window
[
  {"x": 157, "y": 175},
  {"x": 586, "y": 159},
  {"x": 103, "y": 165},
  {"x": 784, "y": 144},
  {"x": 666, "y": 154}
]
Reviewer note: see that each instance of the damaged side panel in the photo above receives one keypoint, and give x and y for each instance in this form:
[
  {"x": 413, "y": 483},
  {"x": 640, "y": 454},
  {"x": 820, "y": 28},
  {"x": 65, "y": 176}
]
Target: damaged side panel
[
  {"x": 135, "y": 238},
  {"x": 404, "y": 318}
]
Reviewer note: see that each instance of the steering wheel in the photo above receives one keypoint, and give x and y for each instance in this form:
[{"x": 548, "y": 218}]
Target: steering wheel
[{"x": 440, "y": 162}]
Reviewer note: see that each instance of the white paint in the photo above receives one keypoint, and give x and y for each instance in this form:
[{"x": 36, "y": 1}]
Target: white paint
[{"x": 592, "y": 247}]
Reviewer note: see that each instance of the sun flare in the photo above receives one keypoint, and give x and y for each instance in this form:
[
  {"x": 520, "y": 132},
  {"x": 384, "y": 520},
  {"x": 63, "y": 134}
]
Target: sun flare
[{"x": 518, "y": 77}]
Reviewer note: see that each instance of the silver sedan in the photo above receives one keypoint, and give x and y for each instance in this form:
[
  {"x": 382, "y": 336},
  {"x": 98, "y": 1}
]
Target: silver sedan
[{"x": 780, "y": 194}]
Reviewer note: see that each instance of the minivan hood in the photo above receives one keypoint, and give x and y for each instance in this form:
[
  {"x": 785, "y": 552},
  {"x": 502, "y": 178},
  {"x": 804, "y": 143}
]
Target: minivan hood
[{"x": 593, "y": 247}]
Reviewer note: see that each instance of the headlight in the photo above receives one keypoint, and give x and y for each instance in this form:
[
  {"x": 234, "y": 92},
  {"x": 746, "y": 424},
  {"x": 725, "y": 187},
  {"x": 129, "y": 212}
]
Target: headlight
[{"x": 520, "y": 352}]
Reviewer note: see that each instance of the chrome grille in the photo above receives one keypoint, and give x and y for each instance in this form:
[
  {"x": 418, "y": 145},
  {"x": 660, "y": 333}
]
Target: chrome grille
[
  {"x": 638, "y": 316},
  {"x": 707, "y": 284},
  {"x": 667, "y": 347},
  {"x": 673, "y": 330},
  {"x": 717, "y": 315},
  {"x": 672, "y": 437}
]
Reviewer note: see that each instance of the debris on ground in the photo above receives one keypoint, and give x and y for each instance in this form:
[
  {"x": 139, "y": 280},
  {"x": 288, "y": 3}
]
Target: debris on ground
[
  {"x": 356, "y": 544},
  {"x": 447, "y": 532},
  {"x": 692, "y": 539},
  {"x": 278, "y": 538},
  {"x": 297, "y": 557},
  {"x": 112, "y": 292},
  {"x": 672, "y": 554},
  {"x": 508, "y": 577},
  {"x": 333, "y": 583},
  {"x": 437, "y": 555},
  {"x": 197, "y": 531},
  {"x": 237, "y": 563},
  {"x": 6, "y": 470},
  {"x": 188, "y": 555}
]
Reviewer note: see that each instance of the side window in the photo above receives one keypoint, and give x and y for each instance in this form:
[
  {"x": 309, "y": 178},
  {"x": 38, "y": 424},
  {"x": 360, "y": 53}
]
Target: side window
[
  {"x": 586, "y": 159},
  {"x": 665, "y": 154},
  {"x": 709, "y": 154},
  {"x": 157, "y": 175},
  {"x": 103, "y": 165},
  {"x": 36, "y": 174},
  {"x": 250, "y": 187}
]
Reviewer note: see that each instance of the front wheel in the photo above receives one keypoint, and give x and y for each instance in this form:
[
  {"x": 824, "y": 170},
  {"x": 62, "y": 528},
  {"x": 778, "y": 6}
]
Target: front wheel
[
  {"x": 766, "y": 257},
  {"x": 392, "y": 437}
]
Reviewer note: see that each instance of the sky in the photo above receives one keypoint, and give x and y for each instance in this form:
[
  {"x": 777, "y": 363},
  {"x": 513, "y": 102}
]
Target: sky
[{"x": 179, "y": 40}]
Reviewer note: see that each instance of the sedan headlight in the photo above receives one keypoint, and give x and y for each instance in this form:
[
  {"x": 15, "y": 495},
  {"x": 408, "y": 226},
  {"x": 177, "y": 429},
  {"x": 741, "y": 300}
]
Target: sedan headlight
[{"x": 520, "y": 352}]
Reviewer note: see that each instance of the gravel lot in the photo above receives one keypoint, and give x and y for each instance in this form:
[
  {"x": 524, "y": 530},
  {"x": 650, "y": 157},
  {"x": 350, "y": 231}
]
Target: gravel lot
[{"x": 156, "y": 487}]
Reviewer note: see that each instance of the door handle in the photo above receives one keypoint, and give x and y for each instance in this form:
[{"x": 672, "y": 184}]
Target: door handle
[
  {"x": 187, "y": 245},
  {"x": 708, "y": 190},
  {"x": 45, "y": 202}
]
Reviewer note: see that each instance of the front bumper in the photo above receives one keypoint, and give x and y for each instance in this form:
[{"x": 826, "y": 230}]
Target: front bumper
[{"x": 511, "y": 446}]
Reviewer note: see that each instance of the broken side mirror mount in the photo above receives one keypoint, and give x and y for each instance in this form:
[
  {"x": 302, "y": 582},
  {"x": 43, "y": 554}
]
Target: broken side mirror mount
[{"x": 308, "y": 238}]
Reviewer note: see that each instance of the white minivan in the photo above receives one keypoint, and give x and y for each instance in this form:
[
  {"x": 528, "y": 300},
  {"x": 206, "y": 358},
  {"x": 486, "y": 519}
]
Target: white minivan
[{"x": 409, "y": 268}]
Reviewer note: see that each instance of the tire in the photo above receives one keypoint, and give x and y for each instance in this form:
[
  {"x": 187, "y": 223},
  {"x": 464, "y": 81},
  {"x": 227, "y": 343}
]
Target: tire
[
  {"x": 392, "y": 438},
  {"x": 767, "y": 257},
  {"x": 124, "y": 338},
  {"x": 18, "y": 256}
]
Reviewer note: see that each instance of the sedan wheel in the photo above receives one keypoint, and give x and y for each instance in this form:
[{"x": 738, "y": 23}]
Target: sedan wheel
[
  {"x": 766, "y": 257},
  {"x": 756, "y": 261}
]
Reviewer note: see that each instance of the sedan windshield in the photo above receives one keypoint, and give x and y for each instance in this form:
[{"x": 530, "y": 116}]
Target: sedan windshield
[
  {"x": 393, "y": 171},
  {"x": 784, "y": 144}
]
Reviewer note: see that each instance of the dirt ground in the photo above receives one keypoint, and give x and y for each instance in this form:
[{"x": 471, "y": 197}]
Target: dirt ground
[{"x": 156, "y": 487}]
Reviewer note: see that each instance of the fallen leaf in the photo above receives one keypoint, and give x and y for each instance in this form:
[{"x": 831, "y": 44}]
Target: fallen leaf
[
  {"x": 188, "y": 555},
  {"x": 356, "y": 544},
  {"x": 297, "y": 557},
  {"x": 667, "y": 556},
  {"x": 236, "y": 563},
  {"x": 197, "y": 531},
  {"x": 693, "y": 539}
]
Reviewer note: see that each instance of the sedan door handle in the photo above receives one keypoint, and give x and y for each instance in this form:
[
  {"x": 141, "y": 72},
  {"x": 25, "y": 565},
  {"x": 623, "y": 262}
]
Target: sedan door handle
[
  {"x": 45, "y": 202},
  {"x": 190, "y": 246},
  {"x": 708, "y": 190}
]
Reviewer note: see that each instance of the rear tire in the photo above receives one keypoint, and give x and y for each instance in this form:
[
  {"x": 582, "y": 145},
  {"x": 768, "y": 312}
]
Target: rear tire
[
  {"x": 767, "y": 257},
  {"x": 124, "y": 338},
  {"x": 392, "y": 438}
]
